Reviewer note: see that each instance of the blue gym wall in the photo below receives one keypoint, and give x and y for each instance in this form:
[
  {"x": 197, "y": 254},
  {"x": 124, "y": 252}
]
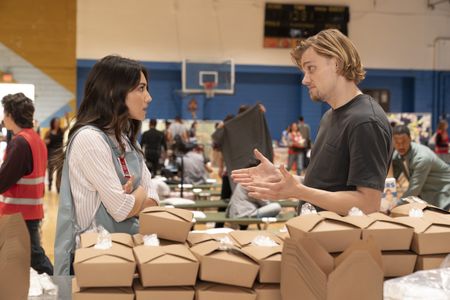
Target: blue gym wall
[{"x": 279, "y": 89}]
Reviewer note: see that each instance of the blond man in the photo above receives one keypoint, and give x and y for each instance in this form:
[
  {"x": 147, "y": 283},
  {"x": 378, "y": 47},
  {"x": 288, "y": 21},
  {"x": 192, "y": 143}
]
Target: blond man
[{"x": 352, "y": 151}]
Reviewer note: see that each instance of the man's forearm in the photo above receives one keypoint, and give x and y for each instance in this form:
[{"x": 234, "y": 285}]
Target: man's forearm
[{"x": 341, "y": 202}]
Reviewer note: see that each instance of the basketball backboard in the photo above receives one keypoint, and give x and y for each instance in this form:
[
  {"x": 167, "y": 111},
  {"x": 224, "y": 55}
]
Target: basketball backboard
[{"x": 201, "y": 76}]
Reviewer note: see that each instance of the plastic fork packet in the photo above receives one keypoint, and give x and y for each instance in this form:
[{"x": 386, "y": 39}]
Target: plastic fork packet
[
  {"x": 263, "y": 241},
  {"x": 415, "y": 213},
  {"x": 151, "y": 240},
  {"x": 355, "y": 212},
  {"x": 104, "y": 240},
  {"x": 308, "y": 209},
  {"x": 225, "y": 243}
]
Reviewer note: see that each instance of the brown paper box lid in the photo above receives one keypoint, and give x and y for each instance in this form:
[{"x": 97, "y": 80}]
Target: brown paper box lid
[
  {"x": 206, "y": 248},
  {"x": 419, "y": 224},
  {"x": 145, "y": 254},
  {"x": 119, "y": 251},
  {"x": 305, "y": 223},
  {"x": 197, "y": 237},
  {"x": 89, "y": 239},
  {"x": 258, "y": 253},
  {"x": 206, "y": 286},
  {"x": 405, "y": 208},
  {"x": 245, "y": 237},
  {"x": 438, "y": 220},
  {"x": 360, "y": 221},
  {"x": 308, "y": 222},
  {"x": 210, "y": 247},
  {"x": 178, "y": 212},
  {"x": 380, "y": 217}
]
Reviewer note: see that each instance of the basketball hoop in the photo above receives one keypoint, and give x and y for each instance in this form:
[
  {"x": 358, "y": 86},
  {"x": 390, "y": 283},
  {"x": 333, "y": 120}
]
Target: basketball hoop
[{"x": 209, "y": 86}]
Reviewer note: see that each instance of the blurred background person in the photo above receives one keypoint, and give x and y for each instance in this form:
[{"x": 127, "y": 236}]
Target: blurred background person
[
  {"x": 296, "y": 146},
  {"x": 154, "y": 144},
  {"x": 54, "y": 138},
  {"x": 428, "y": 175},
  {"x": 441, "y": 142}
]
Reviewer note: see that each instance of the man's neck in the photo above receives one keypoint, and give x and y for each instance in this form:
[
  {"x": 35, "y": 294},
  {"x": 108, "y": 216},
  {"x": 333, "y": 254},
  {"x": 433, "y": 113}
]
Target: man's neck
[
  {"x": 345, "y": 91},
  {"x": 16, "y": 129}
]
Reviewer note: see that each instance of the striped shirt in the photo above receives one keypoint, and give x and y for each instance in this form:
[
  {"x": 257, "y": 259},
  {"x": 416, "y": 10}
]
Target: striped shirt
[{"x": 93, "y": 179}]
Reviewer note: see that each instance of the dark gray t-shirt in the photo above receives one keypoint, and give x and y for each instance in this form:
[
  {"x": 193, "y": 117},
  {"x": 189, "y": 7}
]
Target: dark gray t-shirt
[{"x": 353, "y": 148}]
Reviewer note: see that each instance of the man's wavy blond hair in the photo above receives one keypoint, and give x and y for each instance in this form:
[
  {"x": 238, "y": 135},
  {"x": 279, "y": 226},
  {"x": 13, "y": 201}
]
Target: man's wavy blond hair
[{"x": 332, "y": 43}]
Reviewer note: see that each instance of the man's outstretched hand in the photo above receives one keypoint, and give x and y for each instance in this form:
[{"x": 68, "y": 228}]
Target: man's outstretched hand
[{"x": 264, "y": 172}]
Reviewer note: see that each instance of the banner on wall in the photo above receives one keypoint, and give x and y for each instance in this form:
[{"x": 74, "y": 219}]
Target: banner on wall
[{"x": 419, "y": 125}]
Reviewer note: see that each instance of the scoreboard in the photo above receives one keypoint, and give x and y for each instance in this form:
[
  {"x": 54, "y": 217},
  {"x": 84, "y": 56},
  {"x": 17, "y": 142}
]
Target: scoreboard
[{"x": 284, "y": 24}]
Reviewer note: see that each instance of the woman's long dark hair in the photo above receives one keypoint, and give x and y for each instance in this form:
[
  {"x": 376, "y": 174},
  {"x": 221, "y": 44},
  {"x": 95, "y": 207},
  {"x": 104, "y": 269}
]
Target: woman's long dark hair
[{"x": 103, "y": 105}]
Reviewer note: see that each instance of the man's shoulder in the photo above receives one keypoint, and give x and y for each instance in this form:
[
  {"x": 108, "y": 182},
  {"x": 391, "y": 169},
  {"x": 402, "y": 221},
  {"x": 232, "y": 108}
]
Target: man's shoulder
[{"x": 367, "y": 110}]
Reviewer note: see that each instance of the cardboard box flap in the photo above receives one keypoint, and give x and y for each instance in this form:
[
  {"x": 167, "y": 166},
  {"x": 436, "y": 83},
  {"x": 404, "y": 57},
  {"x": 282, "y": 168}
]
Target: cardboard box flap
[
  {"x": 180, "y": 251},
  {"x": 382, "y": 217},
  {"x": 178, "y": 212},
  {"x": 84, "y": 254},
  {"x": 417, "y": 202},
  {"x": 207, "y": 286},
  {"x": 138, "y": 239},
  {"x": 195, "y": 238},
  {"x": 258, "y": 253},
  {"x": 359, "y": 221},
  {"x": 123, "y": 238},
  {"x": 353, "y": 221},
  {"x": 89, "y": 239},
  {"x": 145, "y": 254},
  {"x": 245, "y": 237},
  {"x": 206, "y": 248},
  {"x": 437, "y": 219},
  {"x": 305, "y": 223},
  {"x": 405, "y": 208},
  {"x": 419, "y": 224},
  {"x": 359, "y": 267},
  {"x": 318, "y": 254},
  {"x": 368, "y": 245}
]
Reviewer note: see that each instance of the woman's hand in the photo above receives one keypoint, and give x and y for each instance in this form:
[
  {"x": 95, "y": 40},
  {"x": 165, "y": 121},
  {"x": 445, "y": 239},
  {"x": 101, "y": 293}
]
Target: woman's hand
[{"x": 128, "y": 186}]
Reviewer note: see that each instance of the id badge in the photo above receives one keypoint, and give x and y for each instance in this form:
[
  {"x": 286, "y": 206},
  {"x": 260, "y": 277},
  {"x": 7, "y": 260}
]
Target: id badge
[{"x": 124, "y": 167}]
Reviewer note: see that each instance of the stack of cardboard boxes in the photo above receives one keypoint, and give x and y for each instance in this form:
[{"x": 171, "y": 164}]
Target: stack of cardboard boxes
[
  {"x": 431, "y": 239},
  {"x": 322, "y": 257},
  {"x": 405, "y": 243},
  {"x": 231, "y": 270},
  {"x": 167, "y": 271}
]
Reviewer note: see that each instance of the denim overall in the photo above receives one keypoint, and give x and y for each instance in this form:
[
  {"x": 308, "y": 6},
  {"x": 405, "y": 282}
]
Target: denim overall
[{"x": 67, "y": 228}]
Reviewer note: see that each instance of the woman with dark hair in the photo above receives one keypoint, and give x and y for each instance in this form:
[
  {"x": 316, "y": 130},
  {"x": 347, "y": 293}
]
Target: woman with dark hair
[
  {"x": 104, "y": 179},
  {"x": 54, "y": 141}
]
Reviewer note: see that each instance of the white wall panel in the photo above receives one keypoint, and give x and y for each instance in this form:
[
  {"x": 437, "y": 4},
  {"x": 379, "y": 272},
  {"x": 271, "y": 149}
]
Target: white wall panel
[{"x": 389, "y": 33}]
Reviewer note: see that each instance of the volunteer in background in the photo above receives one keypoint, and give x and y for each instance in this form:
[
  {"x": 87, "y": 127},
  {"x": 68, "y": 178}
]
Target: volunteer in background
[
  {"x": 351, "y": 154},
  {"x": 428, "y": 175},
  {"x": 22, "y": 174},
  {"x": 105, "y": 180}
]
